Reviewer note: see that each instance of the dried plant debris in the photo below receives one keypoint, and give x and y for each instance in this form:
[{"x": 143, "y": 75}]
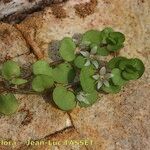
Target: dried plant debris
[
  {"x": 58, "y": 11},
  {"x": 86, "y": 9}
]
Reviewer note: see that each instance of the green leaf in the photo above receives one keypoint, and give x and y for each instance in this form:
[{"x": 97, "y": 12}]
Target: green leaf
[
  {"x": 130, "y": 76},
  {"x": 117, "y": 78},
  {"x": 113, "y": 48},
  {"x": 104, "y": 34},
  {"x": 102, "y": 51},
  {"x": 114, "y": 62},
  {"x": 112, "y": 88},
  {"x": 67, "y": 49},
  {"x": 118, "y": 37},
  {"x": 42, "y": 82},
  {"x": 138, "y": 65},
  {"x": 79, "y": 61},
  {"x": 8, "y": 104},
  {"x": 86, "y": 80},
  {"x": 63, "y": 73},
  {"x": 10, "y": 70},
  {"x": 126, "y": 63},
  {"x": 115, "y": 41},
  {"x": 91, "y": 98},
  {"x": 41, "y": 67},
  {"x": 91, "y": 36},
  {"x": 64, "y": 98},
  {"x": 18, "y": 81}
]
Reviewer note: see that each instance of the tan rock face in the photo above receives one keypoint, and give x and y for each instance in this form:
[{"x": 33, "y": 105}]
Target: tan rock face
[
  {"x": 62, "y": 141},
  {"x": 115, "y": 122},
  {"x": 35, "y": 119},
  {"x": 12, "y": 43}
]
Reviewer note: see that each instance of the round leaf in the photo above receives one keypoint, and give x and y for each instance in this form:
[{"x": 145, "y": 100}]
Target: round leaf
[
  {"x": 8, "y": 104},
  {"x": 41, "y": 67},
  {"x": 18, "y": 81},
  {"x": 42, "y": 82},
  {"x": 10, "y": 70},
  {"x": 63, "y": 73},
  {"x": 117, "y": 78},
  {"x": 64, "y": 99},
  {"x": 86, "y": 80},
  {"x": 67, "y": 49},
  {"x": 79, "y": 61},
  {"x": 92, "y": 36}
]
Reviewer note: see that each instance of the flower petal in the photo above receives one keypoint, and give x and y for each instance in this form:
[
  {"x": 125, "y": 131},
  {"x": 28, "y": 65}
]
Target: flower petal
[
  {"x": 109, "y": 75},
  {"x": 95, "y": 63},
  {"x": 81, "y": 98},
  {"x": 87, "y": 63},
  {"x": 96, "y": 77},
  {"x": 94, "y": 50},
  {"x": 99, "y": 84},
  {"x": 106, "y": 83},
  {"x": 102, "y": 71},
  {"x": 85, "y": 53}
]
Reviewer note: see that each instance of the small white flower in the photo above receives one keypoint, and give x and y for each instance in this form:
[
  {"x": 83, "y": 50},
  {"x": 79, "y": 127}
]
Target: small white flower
[
  {"x": 89, "y": 56},
  {"x": 102, "y": 78},
  {"x": 82, "y": 97}
]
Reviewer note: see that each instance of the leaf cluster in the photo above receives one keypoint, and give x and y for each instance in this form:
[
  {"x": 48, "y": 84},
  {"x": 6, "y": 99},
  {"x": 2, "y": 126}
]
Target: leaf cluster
[{"x": 80, "y": 65}]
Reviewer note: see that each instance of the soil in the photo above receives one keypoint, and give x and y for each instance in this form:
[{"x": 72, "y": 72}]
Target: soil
[{"x": 86, "y": 9}]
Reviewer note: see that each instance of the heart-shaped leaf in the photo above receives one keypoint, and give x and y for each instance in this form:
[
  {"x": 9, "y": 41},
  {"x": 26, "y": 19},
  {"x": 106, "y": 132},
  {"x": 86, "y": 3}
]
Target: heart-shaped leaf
[
  {"x": 92, "y": 36},
  {"x": 8, "y": 104},
  {"x": 64, "y": 98},
  {"x": 117, "y": 78},
  {"x": 86, "y": 80},
  {"x": 63, "y": 73},
  {"x": 41, "y": 67},
  {"x": 18, "y": 81},
  {"x": 79, "y": 61},
  {"x": 10, "y": 70},
  {"x": 67, "y": 49},
  {"x": 42, "y": 82}
]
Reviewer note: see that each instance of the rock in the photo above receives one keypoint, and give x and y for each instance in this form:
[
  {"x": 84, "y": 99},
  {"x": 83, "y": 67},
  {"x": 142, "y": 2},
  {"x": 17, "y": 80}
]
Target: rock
[
  {"x": 35, "y": 119},
  {"x": 18, "y": 8},
  {"x": 115, "y": 122},
  {"x": 12, "y": 43},
  {"x": 64, "y": 140}
]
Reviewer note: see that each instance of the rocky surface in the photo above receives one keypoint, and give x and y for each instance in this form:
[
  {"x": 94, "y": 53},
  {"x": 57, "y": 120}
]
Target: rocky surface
[
  {"x": 16, "y": 9},
  {"x": 12, "y": 43},
  {"x": 115, "y": 122}
]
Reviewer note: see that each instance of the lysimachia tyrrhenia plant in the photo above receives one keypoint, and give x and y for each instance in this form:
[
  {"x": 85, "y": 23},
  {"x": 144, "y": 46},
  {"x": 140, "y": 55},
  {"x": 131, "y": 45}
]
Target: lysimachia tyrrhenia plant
[{"x": 81, "y": 75}]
